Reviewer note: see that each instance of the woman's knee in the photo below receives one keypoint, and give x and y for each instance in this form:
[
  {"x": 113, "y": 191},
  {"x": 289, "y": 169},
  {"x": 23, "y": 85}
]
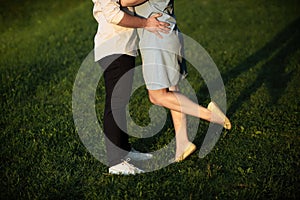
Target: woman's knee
[
  {"x": 156, "y": 97},
  {"x": 153, "y": 99}
]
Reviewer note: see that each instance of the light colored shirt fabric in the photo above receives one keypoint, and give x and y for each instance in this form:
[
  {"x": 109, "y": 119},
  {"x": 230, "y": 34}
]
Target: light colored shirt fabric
[
  {"x": 170, "y": 42},
  {"x": 163, "y": 65},
  {"x": 111, "y": 38}
]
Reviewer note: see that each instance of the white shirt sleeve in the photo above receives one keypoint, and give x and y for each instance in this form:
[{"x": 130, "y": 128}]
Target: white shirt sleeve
[{"x": 110, "y": 9}]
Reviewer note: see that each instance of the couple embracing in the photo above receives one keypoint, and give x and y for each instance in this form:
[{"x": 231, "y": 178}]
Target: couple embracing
[{"x": 124, "y": 25}]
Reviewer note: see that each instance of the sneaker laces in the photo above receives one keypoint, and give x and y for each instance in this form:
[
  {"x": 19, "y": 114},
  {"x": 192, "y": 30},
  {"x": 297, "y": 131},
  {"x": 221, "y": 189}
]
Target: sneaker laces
[{"x": 130, "y": 166}]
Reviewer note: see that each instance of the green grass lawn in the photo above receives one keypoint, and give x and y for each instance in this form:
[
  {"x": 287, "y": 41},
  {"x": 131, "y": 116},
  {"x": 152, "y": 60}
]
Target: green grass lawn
[{"x": 256, "y": 46}]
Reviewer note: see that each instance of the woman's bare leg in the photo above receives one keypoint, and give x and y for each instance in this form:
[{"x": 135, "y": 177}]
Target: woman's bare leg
[
  {"x": 178, "y": 102},
  {"x": 180, "y": 105},
  {"x": 180, "y": 126}
]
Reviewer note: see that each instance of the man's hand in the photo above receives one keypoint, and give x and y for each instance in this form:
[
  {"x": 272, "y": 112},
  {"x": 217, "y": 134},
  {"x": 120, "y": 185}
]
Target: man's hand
[
  {"x": 151, "y": 24},
  {"x": 155, "y": 26}
]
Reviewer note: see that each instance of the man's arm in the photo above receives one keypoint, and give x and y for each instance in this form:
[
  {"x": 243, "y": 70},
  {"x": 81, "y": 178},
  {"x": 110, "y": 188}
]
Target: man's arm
[
  {"x": 126, "y": 3},
  {"x": 151, "y": 24},
  {"x": 113, "y": 14}
]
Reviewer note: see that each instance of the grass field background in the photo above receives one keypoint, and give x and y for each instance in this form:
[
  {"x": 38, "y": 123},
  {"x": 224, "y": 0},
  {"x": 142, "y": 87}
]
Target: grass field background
[{"x": 255, "y": 45}]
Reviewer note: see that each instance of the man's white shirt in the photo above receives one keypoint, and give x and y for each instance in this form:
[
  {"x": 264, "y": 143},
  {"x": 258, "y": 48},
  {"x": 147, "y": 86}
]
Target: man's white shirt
[{"x": 110, "y": 37}]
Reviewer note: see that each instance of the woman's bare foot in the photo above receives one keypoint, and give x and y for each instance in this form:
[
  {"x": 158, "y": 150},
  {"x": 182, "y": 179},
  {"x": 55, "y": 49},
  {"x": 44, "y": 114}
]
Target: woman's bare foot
[
  {"x": 218, "y": 116},
  {"x": 183, "y": 153}
]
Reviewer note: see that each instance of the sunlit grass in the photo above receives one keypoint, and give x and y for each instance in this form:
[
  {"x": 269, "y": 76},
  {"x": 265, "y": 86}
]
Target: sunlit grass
[{"x": 255, "y": 45}]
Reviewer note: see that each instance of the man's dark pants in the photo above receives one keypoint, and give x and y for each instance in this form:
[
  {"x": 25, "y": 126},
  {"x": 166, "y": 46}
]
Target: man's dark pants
[{"x": 118, "y": 89}]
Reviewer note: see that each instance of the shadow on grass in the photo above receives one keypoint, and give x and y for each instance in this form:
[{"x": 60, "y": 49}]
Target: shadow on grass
[{"x": 272, "y": 73}]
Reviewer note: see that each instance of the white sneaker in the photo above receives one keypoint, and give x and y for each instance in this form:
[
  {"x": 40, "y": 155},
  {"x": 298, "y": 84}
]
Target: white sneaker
[
  {"x": 124, "y": 168},
  {"x": 138, "y": 156}
]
